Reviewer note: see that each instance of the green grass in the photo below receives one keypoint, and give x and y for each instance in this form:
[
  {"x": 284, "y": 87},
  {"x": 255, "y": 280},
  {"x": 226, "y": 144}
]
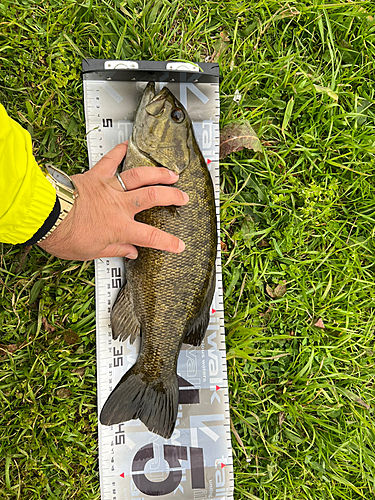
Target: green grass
[{"x": 303, "y": 211}]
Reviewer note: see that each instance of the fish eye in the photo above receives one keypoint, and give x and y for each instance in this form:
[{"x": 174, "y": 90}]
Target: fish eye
[{"x": 177, "y": 115}]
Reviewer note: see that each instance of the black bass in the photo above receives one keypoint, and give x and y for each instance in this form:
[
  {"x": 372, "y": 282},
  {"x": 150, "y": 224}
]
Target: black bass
[{"x": 167, "y": 297}]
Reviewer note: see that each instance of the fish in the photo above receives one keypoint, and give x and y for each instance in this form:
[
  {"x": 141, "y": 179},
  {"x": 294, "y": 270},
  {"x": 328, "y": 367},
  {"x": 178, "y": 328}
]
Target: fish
[{"x": 167, "y": 297}]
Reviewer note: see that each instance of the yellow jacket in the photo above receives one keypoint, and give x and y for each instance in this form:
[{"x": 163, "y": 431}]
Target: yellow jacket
[{"x": 26, "y": 196}]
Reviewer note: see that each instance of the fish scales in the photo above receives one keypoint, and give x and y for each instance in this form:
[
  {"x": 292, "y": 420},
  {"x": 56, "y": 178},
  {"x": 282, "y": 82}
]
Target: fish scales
[{"x": 167, "y": 296}]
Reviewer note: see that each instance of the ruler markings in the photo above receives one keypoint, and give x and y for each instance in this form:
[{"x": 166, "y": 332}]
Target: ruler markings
[{"x": 115, "y": 471}]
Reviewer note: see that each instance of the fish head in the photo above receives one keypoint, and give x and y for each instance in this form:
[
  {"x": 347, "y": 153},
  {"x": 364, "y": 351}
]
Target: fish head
[{"x": 162, "y": 129}]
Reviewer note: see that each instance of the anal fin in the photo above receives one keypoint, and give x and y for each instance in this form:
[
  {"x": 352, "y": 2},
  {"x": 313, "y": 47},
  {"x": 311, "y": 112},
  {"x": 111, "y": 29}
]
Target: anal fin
[{"x": 124, "y": 321}]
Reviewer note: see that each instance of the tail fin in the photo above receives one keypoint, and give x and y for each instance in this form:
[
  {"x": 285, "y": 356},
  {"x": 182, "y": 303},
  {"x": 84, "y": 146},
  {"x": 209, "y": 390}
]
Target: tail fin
[{"x": 155, "y": 403}]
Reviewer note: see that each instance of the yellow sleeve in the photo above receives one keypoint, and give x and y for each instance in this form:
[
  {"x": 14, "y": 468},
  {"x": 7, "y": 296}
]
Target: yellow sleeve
[{"x": 26, "y": 196}]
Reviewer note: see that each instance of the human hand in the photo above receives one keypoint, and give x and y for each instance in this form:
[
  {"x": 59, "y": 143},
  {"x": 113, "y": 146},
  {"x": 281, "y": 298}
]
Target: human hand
[{"x": 101, "y": 222}]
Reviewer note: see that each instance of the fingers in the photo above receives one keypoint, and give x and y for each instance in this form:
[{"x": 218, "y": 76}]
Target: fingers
[
  {"x": 151, "y": 237},
  {"x": 107, "y": 166},
  {"x": 147, "y": 176},
  {"x": 144, "y": 236},
  {"x": 155, "y": 196},
  {"x": 135, "y": 178},
  {"x": 118, "y": 250}
]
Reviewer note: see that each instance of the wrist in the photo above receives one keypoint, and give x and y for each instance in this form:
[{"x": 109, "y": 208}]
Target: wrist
[{"x": 66, "y": 194}]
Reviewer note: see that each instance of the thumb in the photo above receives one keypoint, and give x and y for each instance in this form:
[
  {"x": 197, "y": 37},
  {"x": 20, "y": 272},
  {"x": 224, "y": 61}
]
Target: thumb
[
  {"x": 119, "y": 250},
  {"x": 107, "y": 166}
]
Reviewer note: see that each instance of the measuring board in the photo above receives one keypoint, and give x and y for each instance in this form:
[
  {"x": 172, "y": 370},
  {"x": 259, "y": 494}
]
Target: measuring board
[{"x": 196, "y": 462}]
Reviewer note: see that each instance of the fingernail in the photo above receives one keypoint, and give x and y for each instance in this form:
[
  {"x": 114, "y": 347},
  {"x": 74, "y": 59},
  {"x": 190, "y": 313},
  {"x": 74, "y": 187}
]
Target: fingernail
[
  {"x": 132, "y": 256},
  {"x": 173, "y": 175},
  {"x": 181, "y": 246},
  {"x": 185, "y": 195}
]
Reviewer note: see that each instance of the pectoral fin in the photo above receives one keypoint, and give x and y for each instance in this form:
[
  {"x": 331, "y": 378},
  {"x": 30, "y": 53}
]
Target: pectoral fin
[{"x": 124, "y": 321}]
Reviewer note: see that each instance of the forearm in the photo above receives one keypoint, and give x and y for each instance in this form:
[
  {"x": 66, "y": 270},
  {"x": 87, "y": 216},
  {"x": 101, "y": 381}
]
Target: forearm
[{"x": 27, "y": 199}]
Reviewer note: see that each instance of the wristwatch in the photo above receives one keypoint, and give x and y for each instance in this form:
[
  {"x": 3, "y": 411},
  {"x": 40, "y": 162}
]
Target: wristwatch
[{"x": 66, "y": 192}]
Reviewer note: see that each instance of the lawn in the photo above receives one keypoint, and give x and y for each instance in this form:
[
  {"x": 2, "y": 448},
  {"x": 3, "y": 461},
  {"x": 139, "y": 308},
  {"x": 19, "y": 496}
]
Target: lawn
[{"x": 297, "y": 227}]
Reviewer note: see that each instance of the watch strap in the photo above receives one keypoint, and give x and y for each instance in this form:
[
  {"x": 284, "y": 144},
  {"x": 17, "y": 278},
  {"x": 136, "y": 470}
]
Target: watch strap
[{"x": 65, "y": 208}]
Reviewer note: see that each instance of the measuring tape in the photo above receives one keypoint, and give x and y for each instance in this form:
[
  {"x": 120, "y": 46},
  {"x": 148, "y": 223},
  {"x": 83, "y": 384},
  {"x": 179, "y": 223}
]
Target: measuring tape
[{"x": 196, "y": 462}]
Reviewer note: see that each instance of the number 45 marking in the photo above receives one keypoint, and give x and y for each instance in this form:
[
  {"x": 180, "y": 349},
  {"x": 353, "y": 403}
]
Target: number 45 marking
[{"x": 173, "y": 455}]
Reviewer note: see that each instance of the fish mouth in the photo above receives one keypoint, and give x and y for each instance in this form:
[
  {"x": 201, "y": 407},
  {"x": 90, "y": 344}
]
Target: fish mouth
[
  {"x": 155, "y": 106},
  {"x": 161, "y": 95},
  {"x": 151, "y": 102},
  {"x": 148, "y": 94}
]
